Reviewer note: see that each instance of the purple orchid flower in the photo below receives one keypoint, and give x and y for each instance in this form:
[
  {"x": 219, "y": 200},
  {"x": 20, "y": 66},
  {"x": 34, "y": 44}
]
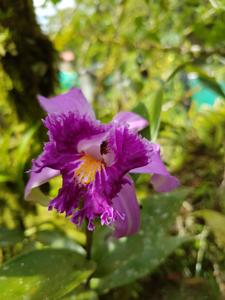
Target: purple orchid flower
[{"x": 94, "y": 160}]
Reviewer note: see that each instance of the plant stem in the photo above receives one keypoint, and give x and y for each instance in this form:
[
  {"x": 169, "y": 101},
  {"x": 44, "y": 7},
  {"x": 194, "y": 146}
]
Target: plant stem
[{"x": 89, "y": 239}]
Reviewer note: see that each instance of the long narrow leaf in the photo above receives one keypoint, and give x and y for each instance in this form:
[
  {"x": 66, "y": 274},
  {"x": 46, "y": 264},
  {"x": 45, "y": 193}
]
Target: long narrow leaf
[{"x": 155, "y": 112}]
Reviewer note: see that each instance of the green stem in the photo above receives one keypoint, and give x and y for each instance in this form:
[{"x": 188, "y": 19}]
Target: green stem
[{"x": 89, "y": 240}]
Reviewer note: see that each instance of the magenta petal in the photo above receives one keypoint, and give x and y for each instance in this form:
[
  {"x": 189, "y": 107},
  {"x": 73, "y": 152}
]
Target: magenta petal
[
  {"x": 72, "y": 101},
  {"x": 126, "y": 204},
  {"x": 37, "y": 179},
  {"x": 164, "y": 183},
  {"x": 162, "y": 180},
  {"x": 134, "y": 121}
]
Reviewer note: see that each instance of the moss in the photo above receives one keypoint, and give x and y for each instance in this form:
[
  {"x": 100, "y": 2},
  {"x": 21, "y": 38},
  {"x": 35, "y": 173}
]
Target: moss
[{"x": 31, "y": 62}]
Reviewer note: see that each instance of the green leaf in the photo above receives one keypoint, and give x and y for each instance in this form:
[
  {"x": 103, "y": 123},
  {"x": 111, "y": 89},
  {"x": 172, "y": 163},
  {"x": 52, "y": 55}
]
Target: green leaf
[
  {"x": 22, "y": 149},
  {"x": 56, "y": 239},
  {"x": 43, "y": 274},
  {"x": 155, "y": 112},
  {"x": 142, "y": 110},
  {"x": 216, "y": 222},
  {"x": 177, "y": 70},
  {"x": 22, "y": 155},
  {"x": 9, "y": 237},
  {"x": 88, "y": 295},
  {"x": 55, "y": 1},
  {"x": 121, "y": 262},
  {"x": 5, "y": 178}
]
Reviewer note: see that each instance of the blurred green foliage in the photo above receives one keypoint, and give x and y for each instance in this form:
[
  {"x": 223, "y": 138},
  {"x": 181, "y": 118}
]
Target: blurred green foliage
[{"x": 137, "y": 56}]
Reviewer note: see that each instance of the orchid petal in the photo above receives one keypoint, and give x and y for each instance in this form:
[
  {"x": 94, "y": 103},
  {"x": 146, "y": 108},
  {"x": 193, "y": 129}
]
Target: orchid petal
[
  {"x": 129, "y": 148},
  {"x": 164, "y": 183},
  {"x": 126, "y": 204},
  {"x": 92, "y": 145},
  {"x": 72, "y": 101},
  {"x": 162, "y": 180},
  {"x": 32, "y": 193},
  {"x": 134, "y": 121}
]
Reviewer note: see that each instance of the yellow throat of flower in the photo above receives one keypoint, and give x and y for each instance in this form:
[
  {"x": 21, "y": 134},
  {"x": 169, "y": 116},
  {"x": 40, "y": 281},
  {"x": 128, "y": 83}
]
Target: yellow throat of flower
[{"x": 86, "y": 171}]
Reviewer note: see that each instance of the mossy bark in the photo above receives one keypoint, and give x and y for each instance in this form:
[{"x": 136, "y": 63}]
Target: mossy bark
[{"x": 30, "y": 63}]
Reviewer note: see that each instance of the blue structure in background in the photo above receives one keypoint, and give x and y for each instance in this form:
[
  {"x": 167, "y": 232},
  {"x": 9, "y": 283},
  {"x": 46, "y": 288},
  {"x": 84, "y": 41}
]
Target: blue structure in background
[
  {"x": 68, "y": 80},
  {"x": 203, "y": 95}
]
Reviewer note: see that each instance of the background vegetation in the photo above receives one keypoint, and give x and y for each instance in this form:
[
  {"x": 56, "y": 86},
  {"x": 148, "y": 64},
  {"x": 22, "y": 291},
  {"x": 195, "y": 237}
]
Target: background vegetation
[{"x": 129, "y": 55}]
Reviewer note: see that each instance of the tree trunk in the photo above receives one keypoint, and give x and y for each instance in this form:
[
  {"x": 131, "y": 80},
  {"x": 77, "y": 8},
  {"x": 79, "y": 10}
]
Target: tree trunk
[{"x": 31, "y": 62}]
